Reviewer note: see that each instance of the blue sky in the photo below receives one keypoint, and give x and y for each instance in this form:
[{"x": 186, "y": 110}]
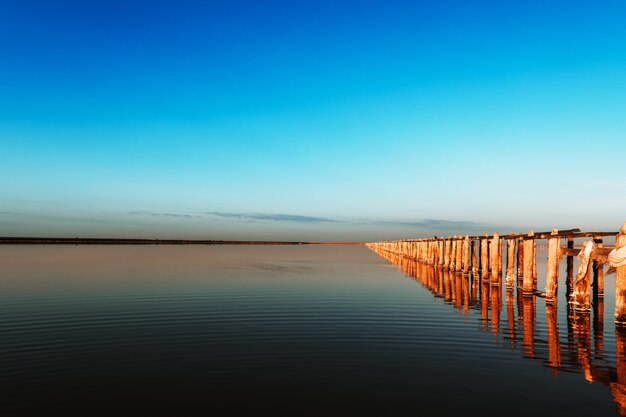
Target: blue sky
[{"x": 310, "y": 120}]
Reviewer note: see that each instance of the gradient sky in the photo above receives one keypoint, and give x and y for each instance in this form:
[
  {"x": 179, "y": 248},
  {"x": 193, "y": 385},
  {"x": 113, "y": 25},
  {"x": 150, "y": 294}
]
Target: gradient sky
[{"x": 311, "y": 120}]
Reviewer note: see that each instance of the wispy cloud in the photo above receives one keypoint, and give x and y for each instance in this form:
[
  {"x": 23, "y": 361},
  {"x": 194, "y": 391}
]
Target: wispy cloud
[
  {"x": 271, "y": 217},
  {"x": 166, "y": 214}
]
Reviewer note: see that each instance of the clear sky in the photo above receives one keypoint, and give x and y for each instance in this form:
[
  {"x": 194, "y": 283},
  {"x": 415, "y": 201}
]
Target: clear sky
[{"x": 330, "y": 120}]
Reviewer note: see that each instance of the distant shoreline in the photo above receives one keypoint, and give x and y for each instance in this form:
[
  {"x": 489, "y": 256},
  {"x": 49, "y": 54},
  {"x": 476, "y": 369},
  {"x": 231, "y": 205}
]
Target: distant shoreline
[{"x": 113, "y": 241}]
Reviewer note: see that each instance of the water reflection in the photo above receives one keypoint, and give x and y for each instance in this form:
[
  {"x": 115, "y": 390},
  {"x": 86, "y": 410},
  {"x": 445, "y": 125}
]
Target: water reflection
[{"x": 583, "y": 356}]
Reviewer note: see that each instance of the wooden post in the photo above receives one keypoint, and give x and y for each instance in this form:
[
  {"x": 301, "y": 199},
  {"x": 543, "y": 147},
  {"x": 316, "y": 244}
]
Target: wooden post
[
  {"x": 510, "y": 262},
  {"x": 598, "y": 272},
  {"x": 459, "y": 255},
  {"x": 520, "y": 258},
  {"x": 528, "y": 285},
  {"x": 569, "y": 270},
  {"x": 446, "y": 258},
  {"x": 554, "y": 256},
  {"x": 474, "y": 259},
  {"x": 453, "y": 254},
  {"x": 466, "y": 255},
  {"x": 496, "y": 259},
  {"x": 442, "y": 252},
  {"x": 484, "y": 258},
  {"x": 620, "y": 279},
  {"x": 582, "y": 284}
]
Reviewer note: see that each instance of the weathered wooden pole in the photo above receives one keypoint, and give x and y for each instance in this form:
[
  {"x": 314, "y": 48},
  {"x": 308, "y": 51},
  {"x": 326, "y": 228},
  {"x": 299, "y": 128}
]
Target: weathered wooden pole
[
  {"x": 496, "y": 259},
  {"x": 617, "y": 259},
  {"x": 554, "y": 256},
  {"x": 598, "y": 271},
  {"x": 528, "y": 285},
  {"x": 442, "y": 252},
  {"x": 446, "y": 258},
  {"x": 474, "y": 259},
  {"x": 466, "y": 259},
  {"x": 520, "y": 258},
  {"x": 453, "y": 254},
  {"x": 569, "y": 281},
  {"x": 459, "y": 255},
  {"x": 510, "y": 263},
  {"x": 582, "y": 284},
  {"x": 484, "y": 258}
]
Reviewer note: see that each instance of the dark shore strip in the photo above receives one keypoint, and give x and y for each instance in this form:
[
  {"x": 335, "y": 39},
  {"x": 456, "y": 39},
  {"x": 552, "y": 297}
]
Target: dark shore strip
[{"x": 110, "y": 241}]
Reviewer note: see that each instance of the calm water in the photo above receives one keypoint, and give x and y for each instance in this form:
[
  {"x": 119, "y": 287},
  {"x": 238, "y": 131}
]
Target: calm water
[{"x": 287, "y": 330}]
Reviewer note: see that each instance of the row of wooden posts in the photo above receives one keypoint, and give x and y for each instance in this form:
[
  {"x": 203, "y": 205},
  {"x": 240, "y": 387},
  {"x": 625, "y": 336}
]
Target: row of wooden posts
[{"x": 482, "y": 257}]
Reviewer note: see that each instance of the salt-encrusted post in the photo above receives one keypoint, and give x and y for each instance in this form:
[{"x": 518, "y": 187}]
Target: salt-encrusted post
[
  {"x": 582, "y": 283},
  {"x": 474, "y": 259},
  {"x": 569, "y": 281},
  {"x": 520, "y": 258},
  {"x": 453, "y": 254},
  {"x": 446, "y": 258},
  {"x": 510, "y": 262},
  {"x": 529, "y": 256},
  {"x": 598, "y": 271},
  {"x": 466, "y": 255},
  {"x": 554, "y": 255},
  {"x": 617, "y": 259},
  {"x": 496, "y": 259},
  {"x": 459, "y": 255},
  {"x": 484, "y": 258}
]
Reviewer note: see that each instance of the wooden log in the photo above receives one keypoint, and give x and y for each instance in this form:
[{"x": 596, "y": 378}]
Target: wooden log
[
  {"x": 528, "y": 285},
  {"x": 510, "y": 263},
  {"x": 582, "y": 283},
  {"x": 466, "y": 259},
  {"x": 554, "y": 256},
  {"x": 535, "y": 263},
  {"x": 598, "y": 272},
  {"x": 620, "y": 281},
  {"x": 484, "y": 258},
  {"x": 442, "y": 249},
  {"x": 495, "y": 259}
]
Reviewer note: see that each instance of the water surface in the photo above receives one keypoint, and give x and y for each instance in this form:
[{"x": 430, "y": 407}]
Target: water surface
[{"x": 286, "y": 330}]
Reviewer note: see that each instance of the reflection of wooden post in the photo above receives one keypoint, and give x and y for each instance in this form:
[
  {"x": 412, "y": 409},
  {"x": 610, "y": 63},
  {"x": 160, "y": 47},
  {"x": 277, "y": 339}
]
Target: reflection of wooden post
[
  {"x": 496, "y": 259},
  {"x": 582, "y": 284},
  {"x": 510, "y": 316},
  {"x": 582, "y": 331},
  {"x": 496, "y": 302},
  {"x": 484, "y": 304},
  {"x": 569, "y": 282},
  {"x": 554, "y": 255},
  {"x": 620, "y": 281},
  {"x": 484, "y": 258},
  {"x": 618, "y": 388},
  {"x": 598, "y": 272},
  {"x": 474, "y": 259},
  {"x": 554, "y": 346},
  {"x": 510, "y": 263},
  {"x": 598, "y": 326},
  {"x": 529, "y": 257},
  {"x": 466, "y": 255},
  {"x": 528, "y": 322}
]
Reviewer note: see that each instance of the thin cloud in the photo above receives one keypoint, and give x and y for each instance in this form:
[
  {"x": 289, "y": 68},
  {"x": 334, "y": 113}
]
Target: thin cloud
[{"x": 271, "y": 217}]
